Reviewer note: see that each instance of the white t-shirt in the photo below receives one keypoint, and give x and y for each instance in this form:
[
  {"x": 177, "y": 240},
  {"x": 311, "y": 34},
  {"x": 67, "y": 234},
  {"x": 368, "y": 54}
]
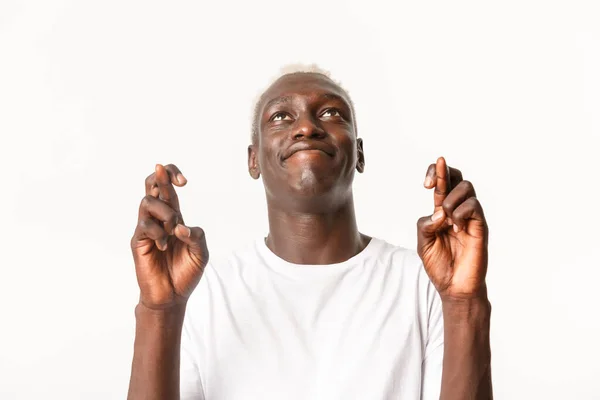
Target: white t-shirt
[{"x": 259, "y": 327}]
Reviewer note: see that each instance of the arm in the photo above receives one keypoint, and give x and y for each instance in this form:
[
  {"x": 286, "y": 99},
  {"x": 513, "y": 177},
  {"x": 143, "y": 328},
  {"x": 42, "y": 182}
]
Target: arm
[
  {"x": 169, "y": 261},
  {"x": 155, "y": 367},
  {"x": 453, "y": 244},
  {"x": 466, "y": 371}
]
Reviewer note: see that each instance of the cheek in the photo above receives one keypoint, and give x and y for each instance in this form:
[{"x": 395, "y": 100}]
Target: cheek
[
  {"x": 269, "y": 153},
  {"x": 348, "y": 146}
]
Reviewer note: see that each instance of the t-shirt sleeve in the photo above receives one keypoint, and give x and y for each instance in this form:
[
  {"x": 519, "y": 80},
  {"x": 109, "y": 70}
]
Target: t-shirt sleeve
[
  {"x": 433, "y": 359},
  {"x": 193, "y": 347},
  {"x": 190, "y": 383}
]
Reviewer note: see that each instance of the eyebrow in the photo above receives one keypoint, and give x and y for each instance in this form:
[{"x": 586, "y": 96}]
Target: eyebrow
[
  {"x": 288, "y": 99},
  {"x": 277, "y": 100},
  {"x": 331, "y": 96}
]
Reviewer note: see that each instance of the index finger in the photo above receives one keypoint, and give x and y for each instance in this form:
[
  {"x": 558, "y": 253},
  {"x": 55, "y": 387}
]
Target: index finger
[
  {"x": 166, "y": 191},
  {"x": 442, "y": 184},
  {"x": 175, "y": 174}
]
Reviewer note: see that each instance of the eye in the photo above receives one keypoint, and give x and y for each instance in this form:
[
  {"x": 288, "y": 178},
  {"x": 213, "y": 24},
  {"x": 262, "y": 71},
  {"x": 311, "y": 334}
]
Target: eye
[
  {"x": 331, "y": 112},
  {"x": 279, "y": 116}
]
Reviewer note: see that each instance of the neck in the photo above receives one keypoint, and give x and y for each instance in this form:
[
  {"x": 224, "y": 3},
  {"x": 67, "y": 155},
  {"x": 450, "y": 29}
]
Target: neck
[{"x": 315, "y": 238}]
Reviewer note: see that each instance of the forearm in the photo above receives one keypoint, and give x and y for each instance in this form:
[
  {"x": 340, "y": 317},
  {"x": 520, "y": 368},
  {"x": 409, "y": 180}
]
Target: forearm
[
  {"x": 467, "y": 355},
  {"x": 155, "y": 367}
]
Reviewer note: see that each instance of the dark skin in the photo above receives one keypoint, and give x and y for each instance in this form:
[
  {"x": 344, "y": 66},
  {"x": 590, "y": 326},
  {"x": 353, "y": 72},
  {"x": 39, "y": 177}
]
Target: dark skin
[
  {"x": 309, "y": 194},
  {"x": 307, "y": 153}
]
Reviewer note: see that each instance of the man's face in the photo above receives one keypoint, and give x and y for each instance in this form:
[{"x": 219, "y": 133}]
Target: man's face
[{"x": 307, "y": 147}]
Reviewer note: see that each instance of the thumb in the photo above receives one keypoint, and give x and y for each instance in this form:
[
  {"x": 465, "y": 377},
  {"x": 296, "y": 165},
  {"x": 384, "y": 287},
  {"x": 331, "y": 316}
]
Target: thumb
[
  {"x": 195, "y": 239},
  {"x": 428, "y": 226}
]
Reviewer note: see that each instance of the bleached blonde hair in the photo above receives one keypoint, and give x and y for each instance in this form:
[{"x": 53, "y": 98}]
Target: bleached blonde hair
[{"x": 290, "y": 69}]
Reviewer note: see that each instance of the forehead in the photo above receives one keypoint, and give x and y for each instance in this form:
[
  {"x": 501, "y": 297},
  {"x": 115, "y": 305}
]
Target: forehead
[{"x": 302, "y": 84}]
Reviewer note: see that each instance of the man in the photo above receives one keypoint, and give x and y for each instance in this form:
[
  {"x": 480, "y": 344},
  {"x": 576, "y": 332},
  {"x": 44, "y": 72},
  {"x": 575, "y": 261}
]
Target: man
[{"x": 316, "y": 310}]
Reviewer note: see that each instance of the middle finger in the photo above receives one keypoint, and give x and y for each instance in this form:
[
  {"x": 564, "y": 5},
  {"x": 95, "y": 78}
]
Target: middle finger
[{"x": 166, "y": 191}]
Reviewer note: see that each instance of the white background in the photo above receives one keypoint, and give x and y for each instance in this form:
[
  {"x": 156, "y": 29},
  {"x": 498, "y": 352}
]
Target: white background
[{"x": 93, "y": 94}]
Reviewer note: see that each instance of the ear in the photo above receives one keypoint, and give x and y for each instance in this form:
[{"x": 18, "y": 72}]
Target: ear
[
  {"x": 360, "y": 164},
  {"x": 253, "y": 167}
]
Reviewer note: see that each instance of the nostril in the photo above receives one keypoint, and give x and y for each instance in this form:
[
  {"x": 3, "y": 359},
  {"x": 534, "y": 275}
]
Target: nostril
[{"x": 309, "y": 132}]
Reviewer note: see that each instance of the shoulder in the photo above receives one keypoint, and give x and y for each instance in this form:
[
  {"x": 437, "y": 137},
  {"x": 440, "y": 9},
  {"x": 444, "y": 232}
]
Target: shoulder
[
  {"x": 396, "y": 253},
  {"x": 235, "y": 262},
  {"x": 414, "y": 283},
  {"x": 405, "y": 268},
  {"x": 405, "y": 260},
  {"x": 226, "y": 268}
]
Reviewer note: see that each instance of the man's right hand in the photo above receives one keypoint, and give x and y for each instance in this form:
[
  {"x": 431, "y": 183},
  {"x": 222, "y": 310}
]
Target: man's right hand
[{"x": 169, "y": 256}]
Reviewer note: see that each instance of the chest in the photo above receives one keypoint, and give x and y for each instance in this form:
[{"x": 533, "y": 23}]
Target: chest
[{"x": 340, "y": 340}]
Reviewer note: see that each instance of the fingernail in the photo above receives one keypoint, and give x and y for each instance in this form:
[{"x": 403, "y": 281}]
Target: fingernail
[
  {"x": 186, "y": 229},
  {"x": 437, "y": 216},
  {"x": 428, "y": 181},
  {"x": 455, "y": 227},
  {"x": 180, "y": 178},
  {"x": 164, "y": 244}
]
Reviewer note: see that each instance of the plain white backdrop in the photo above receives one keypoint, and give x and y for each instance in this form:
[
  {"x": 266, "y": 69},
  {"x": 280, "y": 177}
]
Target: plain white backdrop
[{"x": 94, "y": 94}]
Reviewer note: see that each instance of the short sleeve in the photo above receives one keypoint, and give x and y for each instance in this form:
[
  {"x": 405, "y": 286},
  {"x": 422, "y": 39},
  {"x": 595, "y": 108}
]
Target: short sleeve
[
  {"x": 431, "y": 381},
  {"x": 192, "y": 346},
  {"x": 190, "y": 387}
]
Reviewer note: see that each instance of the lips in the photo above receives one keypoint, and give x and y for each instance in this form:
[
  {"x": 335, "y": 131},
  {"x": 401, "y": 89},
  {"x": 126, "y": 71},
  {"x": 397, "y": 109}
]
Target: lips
[{"x": 302, "y": 146}]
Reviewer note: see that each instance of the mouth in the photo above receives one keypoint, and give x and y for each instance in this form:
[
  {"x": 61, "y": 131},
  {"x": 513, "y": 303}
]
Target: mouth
[{"x": 308, "y": 149}]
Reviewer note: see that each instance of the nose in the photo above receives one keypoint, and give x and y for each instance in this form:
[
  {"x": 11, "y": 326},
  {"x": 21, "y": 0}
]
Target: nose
[{"x": 307, "y": 128}]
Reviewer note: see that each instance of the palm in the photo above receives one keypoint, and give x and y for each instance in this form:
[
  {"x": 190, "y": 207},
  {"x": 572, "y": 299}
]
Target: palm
[
  {"x": 167, "y": 275},
  {"x": 453, "y": 260}
]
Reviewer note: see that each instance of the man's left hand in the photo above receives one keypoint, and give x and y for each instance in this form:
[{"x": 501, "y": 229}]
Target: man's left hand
[{"x": 452, "y": 242}]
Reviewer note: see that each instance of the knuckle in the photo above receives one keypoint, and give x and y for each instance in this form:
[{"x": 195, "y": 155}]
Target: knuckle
[
  {"x": 134, "y": 240},
  {"x": 466, "y": 184},
  {"x": 173, "y": 218},
  {"x": 150, "y": 180},
  {"x": 447, "y": 205},
  {"x": 455, "y": 171},
  {"x": 472, "y": 201},
  {"x": 146, "y": 201},
  {"x": 458, "y": 217},
  {"x": 143, "y": 224}
]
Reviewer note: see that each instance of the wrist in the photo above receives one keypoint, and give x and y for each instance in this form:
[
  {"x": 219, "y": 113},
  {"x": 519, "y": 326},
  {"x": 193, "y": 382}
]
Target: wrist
[
  {"x": 160, "y": 317},
  {"x": 468, "y": 309}
]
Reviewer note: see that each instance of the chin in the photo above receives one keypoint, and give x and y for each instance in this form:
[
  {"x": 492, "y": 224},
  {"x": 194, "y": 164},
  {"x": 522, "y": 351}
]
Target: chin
[
  {"x": 309, "y": 188},
  {"x": 309, "y": 182},
  {"x": 311, "y": 194}
]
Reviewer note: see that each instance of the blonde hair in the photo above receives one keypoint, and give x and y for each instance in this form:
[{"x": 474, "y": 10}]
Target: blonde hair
[{"x": 291, "y": 69}]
